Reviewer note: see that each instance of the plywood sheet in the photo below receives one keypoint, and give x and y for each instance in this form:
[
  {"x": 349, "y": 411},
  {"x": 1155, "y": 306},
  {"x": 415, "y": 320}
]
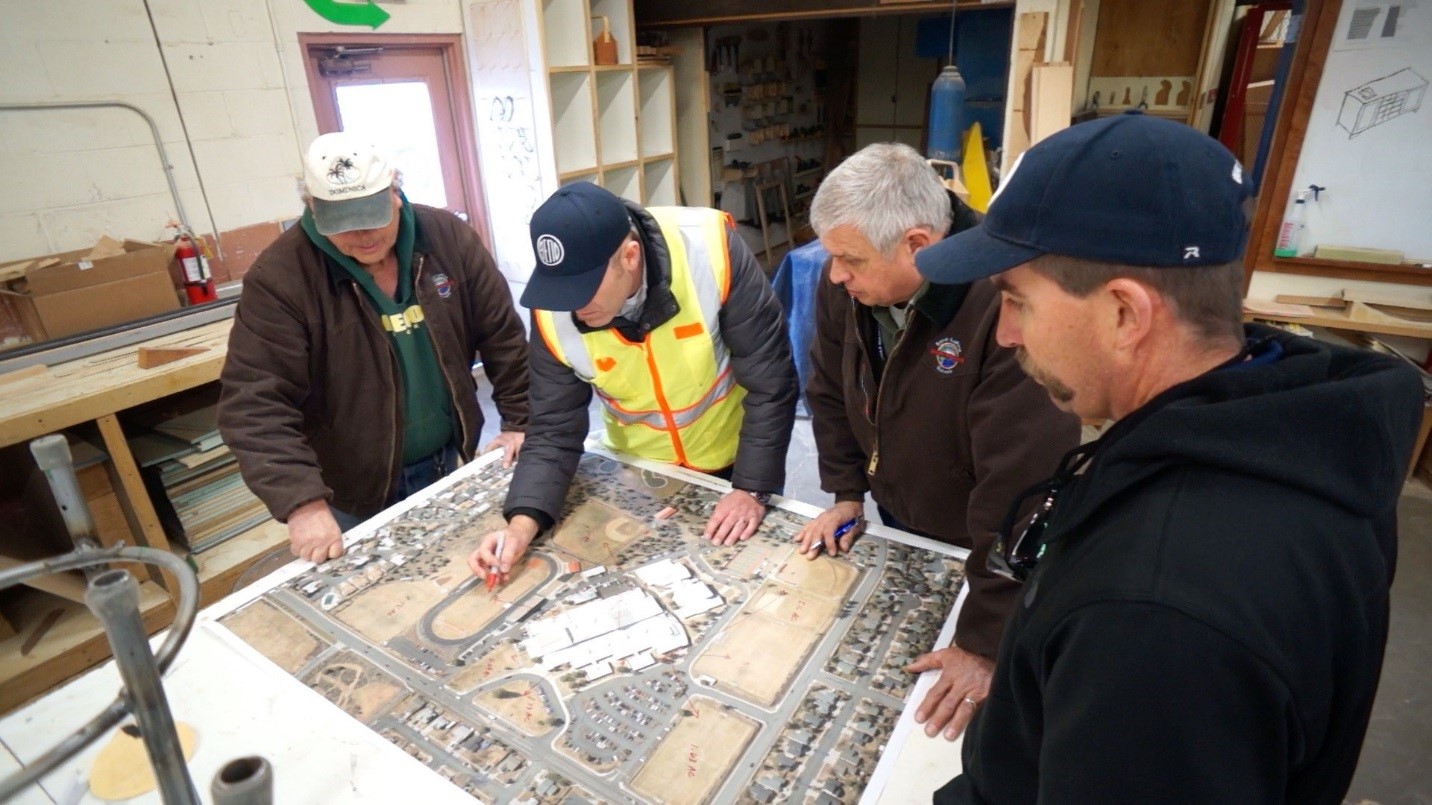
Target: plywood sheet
[{"x": 1149, "y": 37}]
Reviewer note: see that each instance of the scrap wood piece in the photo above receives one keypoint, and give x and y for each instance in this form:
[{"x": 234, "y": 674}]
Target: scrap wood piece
[
  {"x": 1407, "y": 300},
  {"x": 1370, "y": 313},
  {"x": 1051, "y": 106},
  {"x": 64, "y": 584},
  {"x": 1311, "y": 301},
  {"x": 121, "y": 770},
  {"x": 1029, "y": 49},
  {"x": 46, "y": 623},
  {"x": 15, "y": 271},
  {"x": 150, "y": 357},
  {"x": 1262, "y": 307}
]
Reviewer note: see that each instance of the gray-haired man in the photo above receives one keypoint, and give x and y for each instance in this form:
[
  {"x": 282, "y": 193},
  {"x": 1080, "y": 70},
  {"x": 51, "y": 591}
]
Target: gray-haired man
[{"x": 914, "y": 402}]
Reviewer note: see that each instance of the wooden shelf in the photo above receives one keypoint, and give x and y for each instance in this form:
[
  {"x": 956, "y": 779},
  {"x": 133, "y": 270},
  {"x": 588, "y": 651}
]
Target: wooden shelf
[
  {"x": 574, "y": 122},
  {"x": 97, "y": 389},
  {"x": 73, "y": 643},
  {"x": 624, "y": 180},
  {"x": 1336, "y": 320},
  {"x": 617, "y": 117},
  {"x": 566, "y": 37},
  {"x": 659, "y": 182},
  {"x": 1345, "y": 269},
  {"x": 597, "y": 123},
  {"x": 656, "y": 87}
]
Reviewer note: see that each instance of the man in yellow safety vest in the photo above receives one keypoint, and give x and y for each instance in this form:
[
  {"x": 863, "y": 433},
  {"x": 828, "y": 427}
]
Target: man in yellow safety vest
[{"x": 666, "y": 316}]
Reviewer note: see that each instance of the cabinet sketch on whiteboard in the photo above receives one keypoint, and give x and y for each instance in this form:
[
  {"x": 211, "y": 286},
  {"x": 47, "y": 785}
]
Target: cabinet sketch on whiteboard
[{"x": 1381, "y": 100}]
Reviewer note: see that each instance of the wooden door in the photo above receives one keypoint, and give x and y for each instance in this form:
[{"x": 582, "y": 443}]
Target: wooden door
[{"x": 412, "y": 97}]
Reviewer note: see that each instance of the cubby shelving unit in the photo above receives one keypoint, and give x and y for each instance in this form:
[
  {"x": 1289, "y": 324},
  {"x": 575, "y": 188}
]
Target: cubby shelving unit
[
  {"x": 613, "y": 125},
  {"x": 659, "y": 181}
]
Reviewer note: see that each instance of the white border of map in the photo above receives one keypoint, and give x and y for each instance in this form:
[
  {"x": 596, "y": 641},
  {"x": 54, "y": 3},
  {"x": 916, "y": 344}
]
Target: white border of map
[{"x": 912, "y": 764}]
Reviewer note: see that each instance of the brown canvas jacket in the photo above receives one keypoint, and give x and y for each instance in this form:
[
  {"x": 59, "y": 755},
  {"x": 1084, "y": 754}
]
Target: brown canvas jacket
[
  {"x": 310, "y": 403},
  {"x": 959, "y": 428}
]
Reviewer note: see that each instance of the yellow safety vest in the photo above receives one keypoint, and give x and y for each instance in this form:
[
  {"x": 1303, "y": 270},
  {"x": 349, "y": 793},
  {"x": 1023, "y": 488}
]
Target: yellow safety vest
[{"x": 671, "y": 397}]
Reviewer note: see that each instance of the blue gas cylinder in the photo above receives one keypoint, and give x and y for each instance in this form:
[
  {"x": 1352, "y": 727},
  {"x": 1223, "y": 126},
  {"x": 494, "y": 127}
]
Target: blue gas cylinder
[{"x": 947, "y": 115}]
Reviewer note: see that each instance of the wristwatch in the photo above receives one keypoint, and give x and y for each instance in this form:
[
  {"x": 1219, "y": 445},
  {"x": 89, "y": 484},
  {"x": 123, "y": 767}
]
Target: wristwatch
[{"x": 763, "y": 498}]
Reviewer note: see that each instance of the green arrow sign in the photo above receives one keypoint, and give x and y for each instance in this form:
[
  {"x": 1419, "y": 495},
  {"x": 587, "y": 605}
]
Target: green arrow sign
[{"x": 366, "y": 13}]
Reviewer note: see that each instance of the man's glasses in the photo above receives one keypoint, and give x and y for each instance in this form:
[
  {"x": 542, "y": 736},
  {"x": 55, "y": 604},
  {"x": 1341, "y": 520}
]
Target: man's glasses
[{"x": 1015, "y": 558}]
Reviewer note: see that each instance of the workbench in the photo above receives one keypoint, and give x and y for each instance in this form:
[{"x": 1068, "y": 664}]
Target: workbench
[
  {"x": 242, "y": 702},
  {"x": 97, "y": 389}
]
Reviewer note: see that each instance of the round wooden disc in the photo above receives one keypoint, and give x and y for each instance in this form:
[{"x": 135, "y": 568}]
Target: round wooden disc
[{"x": 122, "y": 770}]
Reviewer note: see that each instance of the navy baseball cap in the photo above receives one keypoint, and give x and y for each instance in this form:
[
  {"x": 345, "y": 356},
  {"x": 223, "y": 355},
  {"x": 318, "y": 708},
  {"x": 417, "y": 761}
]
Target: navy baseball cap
[
  {"x": 574, "y": 235},
  {"x": 1129, "y": 189}
]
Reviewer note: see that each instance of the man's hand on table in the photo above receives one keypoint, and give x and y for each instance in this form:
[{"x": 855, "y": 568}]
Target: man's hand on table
[
  {"x": 520, "y": 531},
  {"x": 821, "y": 530},
  {"x": 962, "y": 687},
  {"x": 511, "y": 443},
  {"x": 313, "y": 534},
  {"x": 737, "y": 516}
]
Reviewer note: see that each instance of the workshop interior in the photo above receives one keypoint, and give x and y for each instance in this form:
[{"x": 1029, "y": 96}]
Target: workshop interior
[{"x": 373, "y": 373}]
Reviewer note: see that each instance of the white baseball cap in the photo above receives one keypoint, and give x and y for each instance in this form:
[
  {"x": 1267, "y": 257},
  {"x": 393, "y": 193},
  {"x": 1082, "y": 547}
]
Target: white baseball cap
[{"x": 346, "y": 175}]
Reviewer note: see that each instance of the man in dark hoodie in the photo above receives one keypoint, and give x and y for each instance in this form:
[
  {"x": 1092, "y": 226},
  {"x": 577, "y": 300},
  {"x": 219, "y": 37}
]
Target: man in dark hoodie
[{"x": 1205, "y": 600}]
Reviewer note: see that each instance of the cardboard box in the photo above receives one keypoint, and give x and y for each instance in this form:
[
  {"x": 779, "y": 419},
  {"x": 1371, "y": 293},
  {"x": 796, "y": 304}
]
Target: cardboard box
[{"x": 87, "y": 289}]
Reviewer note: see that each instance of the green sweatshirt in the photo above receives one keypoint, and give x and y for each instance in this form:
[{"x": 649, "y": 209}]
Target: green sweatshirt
[{"x": 427, "y": 409}]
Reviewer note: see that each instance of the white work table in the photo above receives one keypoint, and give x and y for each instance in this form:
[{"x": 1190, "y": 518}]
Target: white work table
[{"x": 242, "y": 704}]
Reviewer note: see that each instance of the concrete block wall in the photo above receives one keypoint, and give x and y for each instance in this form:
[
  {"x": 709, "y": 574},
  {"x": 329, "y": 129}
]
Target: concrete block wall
[
  {"x": 226, "y": 86},
  {"x": 233, "y": 110},
  {"x": 73, "y": 175}
]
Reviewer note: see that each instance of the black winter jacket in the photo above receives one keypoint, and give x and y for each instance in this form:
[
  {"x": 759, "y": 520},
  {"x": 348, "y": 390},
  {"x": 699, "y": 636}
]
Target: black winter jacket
[{"x": 1208, "y": 621}]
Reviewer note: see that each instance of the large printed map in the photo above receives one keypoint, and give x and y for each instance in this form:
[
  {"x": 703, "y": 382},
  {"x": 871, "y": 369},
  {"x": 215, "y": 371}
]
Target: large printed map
[{"x": 627, "y": 659}]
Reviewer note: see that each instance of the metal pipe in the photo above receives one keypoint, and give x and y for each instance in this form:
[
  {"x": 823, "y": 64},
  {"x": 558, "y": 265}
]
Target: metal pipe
[
  {"x": 187, "y": 608},
  {"x": 153, "y": 131},
  {"x": 244, "y": 781},
  {"x": 113, "y": 597},
  {"x": 53, "y": 455}
]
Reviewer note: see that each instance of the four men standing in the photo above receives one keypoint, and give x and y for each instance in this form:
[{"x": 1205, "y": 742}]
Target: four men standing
[{"x": 1204, "y": 602}]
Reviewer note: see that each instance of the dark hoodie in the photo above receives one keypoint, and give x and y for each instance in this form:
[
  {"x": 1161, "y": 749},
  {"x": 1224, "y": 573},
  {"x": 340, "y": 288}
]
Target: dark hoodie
[{"x": 1208, "y": 620}]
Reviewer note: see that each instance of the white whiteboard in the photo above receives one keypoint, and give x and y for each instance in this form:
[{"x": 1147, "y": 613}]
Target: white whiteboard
[{"x": 1369, "y": 139}]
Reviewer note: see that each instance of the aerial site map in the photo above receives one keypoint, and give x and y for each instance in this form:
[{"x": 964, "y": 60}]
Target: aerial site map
[{"x": 627, "y": 659}]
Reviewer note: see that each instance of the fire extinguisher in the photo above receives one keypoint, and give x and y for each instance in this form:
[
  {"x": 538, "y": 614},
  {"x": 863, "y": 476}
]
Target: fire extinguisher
[{"x": 198, "y": 282}]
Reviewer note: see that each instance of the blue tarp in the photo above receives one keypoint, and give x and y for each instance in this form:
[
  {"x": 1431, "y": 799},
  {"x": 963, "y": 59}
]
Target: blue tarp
[{"x": 795, "y": 283}]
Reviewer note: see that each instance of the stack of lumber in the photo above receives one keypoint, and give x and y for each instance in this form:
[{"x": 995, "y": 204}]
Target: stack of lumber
[{"x": 194, "y": 480}]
